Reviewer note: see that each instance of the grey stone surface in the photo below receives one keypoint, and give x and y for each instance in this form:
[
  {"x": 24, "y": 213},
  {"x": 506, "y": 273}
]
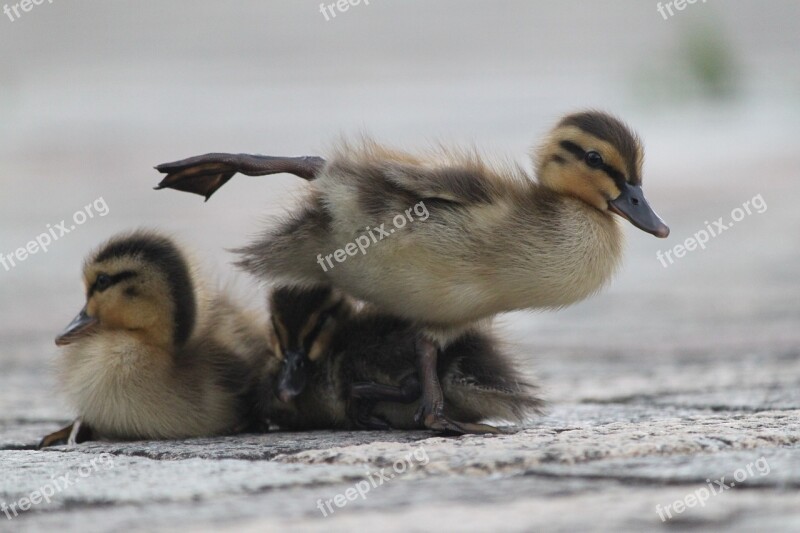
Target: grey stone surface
[{"x": 615, "y": 461}]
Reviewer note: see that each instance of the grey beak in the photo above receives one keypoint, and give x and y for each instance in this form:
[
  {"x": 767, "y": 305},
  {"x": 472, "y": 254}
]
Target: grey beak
[
  {"x": 632, "y": 205},
  {"x": 80, "y": 326}
]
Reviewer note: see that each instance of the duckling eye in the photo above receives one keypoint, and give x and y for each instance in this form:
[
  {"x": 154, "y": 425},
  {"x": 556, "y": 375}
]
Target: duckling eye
[
  {"x": 102, "y": 282},
  {"x": 593, "y": 159}
]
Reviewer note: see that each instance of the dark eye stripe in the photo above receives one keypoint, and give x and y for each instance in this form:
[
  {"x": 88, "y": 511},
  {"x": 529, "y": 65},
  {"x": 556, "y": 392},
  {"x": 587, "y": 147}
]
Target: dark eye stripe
[
  {"x": 573, "y": 148},
  {"x": 321, "y": 319},
  {"x": 614, "y": 174},
  {"x": 279, "y": 332},
  {"x": 580, "y": 153},
  {"x": 311, "y": 337},
  {"x": 116, "y": 278}
]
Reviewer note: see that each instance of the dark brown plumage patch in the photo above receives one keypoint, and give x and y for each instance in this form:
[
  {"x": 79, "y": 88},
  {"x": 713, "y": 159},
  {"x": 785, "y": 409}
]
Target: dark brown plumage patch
[
  {"x": 376, "y": 193},
  {"x": 461, "y": 184},
  {"x": 614, "y": 132},
  {"x": 167, "y": 258},
  {"x": 294, "y": 307},
  {"x": 112, "y": 280},
  {"x": 383, "y": 189},
  {"x": 464, "y": 183}
]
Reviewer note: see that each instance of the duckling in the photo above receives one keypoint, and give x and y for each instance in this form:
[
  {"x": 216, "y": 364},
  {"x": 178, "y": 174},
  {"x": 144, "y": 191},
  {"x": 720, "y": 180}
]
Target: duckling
[
  {"x": 492, "y": 239},
  {"x": 155, "y": 353},
  {"x": 360, "y": 369}
]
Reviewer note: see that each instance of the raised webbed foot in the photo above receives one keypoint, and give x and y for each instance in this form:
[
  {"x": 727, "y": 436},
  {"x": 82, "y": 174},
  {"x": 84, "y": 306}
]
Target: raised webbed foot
[{"x": 205, "y": 174}]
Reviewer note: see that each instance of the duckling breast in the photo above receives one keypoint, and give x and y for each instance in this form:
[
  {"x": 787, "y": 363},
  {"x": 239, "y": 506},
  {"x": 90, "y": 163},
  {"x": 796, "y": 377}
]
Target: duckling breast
[
  {"x": 127, "y": 390},
  {"x": 566, "y": 258}
]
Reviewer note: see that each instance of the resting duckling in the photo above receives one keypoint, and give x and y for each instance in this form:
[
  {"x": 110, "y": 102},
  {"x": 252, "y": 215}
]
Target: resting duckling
[
  {"x": 492, "y": 239},
  {"x": 359, "y": 369},
  {"x": 154, "y": 354}
]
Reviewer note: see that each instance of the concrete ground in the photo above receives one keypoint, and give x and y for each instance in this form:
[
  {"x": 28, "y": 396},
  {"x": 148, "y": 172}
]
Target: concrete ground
[{"x": 675, "y": 393}]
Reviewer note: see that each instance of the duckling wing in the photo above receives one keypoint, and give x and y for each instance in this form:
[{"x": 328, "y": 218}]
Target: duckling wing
[
  {"x": 455, "y": 184},
  {"x": 205, "y": 174}
]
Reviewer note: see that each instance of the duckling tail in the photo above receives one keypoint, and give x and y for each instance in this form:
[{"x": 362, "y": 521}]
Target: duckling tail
[
  {"x": 482, "y": 382},
  {"x": 292, "y": 251}
]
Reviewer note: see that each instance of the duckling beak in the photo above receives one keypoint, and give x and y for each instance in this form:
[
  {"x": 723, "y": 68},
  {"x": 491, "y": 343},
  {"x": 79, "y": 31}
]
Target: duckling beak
[
  {"x": 293, "y": 376},
  {"x": 80, "y": 326},
  {"x": 632, "y": 205}
]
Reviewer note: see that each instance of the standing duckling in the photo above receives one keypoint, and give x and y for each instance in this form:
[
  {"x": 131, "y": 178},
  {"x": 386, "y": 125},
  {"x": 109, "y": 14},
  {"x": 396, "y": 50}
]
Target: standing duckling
[
  {"x": 342, "y": 368},
  {"x": 155, "y": 354},
  {"x": 494, "y": 239}
]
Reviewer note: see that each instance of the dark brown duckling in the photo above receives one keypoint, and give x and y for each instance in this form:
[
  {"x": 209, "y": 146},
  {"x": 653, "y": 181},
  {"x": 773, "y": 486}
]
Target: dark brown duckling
[{"x": 339, "y": 367}]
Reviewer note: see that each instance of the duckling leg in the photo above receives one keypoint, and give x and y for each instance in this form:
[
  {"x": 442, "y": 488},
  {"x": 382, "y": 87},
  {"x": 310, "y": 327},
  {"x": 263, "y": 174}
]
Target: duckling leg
[
  {"x": 205, "y": 174},
  {"x": 56, "y": 438},
  {"x": 431, "y": 409},
  {"x": 75, "y": 433},
  {"x": 364, "y": 395}
]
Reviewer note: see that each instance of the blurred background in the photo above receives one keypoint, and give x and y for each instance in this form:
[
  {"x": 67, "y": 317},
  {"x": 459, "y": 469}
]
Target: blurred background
[{"x": 94, "y": 94}]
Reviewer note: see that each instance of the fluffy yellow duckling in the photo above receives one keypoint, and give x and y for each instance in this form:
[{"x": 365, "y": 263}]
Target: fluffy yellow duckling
[
  {"x": 154, "y": 353},
  {"x": 491, "y": 240}
]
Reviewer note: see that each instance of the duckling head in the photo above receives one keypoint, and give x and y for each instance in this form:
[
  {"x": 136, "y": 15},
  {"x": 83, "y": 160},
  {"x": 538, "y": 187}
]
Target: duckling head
[
  {"x": 598, "y": 159},
  {"x": 139, "y": 283},
  {"x": 304, "y": 321}
]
